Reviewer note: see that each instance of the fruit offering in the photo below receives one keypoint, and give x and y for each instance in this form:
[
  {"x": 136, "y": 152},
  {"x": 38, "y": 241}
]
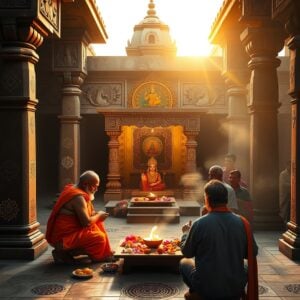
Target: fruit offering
[
  {"x": 134, "y": 244},
  {"x": 83, "y": 272}
]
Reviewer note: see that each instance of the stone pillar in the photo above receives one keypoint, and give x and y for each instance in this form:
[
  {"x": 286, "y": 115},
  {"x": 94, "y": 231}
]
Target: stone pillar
[
  {"x": 20, "y": 237},
  {"x": 69, "y": 62},
  {"x": 289, "y": 244},
  {"x": 236, "y": 76},
  {"x": 69, "y": 167},
  {"x": 263, "y": 44},
  {"x": 189, "y": 192},
  {"x": 113, "y": 186}
]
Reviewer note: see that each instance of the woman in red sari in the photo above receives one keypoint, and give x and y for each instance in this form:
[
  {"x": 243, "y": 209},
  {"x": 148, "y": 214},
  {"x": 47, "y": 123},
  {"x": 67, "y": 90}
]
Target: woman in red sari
[
  {"x": 74, "y": 226},
  {"x": 151, "y": 179}
]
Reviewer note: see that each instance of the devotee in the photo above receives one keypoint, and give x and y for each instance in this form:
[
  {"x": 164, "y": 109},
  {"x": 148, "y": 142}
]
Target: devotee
[
  {"x": 242, "y": 195},
  {"x": 151, "y": 179},
  {"x": 74, "y": 227},
  {"x": 285, "y": 193},
  {"x": 216, "y": 172},
  {"x": 219, "y": 242},
  {"x": 229, "y": 165}
]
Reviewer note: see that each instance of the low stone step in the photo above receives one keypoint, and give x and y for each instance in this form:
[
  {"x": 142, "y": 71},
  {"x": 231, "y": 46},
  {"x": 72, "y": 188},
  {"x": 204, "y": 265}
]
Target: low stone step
[
  {"x": 153, "y": 218},
  {"x": 188, "y": 207},
  {"x": 154, "y": 210}
]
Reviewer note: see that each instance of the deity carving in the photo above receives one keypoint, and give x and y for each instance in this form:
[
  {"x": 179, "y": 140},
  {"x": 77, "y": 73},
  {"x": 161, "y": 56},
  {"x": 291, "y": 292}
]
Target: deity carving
[
  {"x": 152, "y": 94},
  {"x": 49, "y": 9}
]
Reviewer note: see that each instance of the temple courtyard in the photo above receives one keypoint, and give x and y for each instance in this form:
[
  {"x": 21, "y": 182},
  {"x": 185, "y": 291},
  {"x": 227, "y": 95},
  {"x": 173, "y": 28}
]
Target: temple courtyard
[{"x": 279, "y": 277}]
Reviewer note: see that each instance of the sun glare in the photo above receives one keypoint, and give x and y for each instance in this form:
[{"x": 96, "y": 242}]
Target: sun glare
[{"x": 189, "y": 21}]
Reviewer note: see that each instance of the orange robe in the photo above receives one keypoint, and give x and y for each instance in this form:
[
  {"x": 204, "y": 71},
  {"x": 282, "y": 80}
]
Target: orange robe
[{"x": 67, "y": 229}]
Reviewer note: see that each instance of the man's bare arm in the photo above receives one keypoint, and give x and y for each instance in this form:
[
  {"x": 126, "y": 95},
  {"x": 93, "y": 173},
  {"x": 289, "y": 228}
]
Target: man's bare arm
[{"x": 80, "y": 207}]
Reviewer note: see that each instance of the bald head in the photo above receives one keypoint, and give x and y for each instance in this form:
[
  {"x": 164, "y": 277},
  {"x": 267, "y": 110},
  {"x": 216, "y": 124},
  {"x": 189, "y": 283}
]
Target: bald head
[
  {"x": 215, "y": 172},
  {"x": 88, "y": 177}
]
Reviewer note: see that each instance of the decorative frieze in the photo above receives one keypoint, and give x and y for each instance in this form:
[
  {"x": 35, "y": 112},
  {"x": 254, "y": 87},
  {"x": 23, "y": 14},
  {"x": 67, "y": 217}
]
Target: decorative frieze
[
  {"x": 198, "y": 95},
  {"x": 103, "y": 94},
  {"x": 15, "y": 4},
  {"x": 49, "y": 9}
]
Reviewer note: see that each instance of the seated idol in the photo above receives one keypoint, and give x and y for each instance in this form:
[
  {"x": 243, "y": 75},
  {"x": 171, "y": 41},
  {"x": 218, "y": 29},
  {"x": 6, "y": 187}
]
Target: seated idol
[{"x": 151, "y": 179}]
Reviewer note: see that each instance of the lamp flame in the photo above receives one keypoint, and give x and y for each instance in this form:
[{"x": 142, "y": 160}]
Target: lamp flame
[{"x": 153, "y": 236}]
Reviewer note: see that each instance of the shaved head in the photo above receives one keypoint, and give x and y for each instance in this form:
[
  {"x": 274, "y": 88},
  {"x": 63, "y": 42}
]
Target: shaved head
[{"x": 88, "y": 177}]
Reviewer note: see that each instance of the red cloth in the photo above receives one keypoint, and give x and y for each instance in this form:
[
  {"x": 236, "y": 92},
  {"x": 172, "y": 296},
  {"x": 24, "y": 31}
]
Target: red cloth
[
  {"x": 252, "y": 287},
  {"x": 145, "y": 184},
  {"x": 67, "y": 229}
]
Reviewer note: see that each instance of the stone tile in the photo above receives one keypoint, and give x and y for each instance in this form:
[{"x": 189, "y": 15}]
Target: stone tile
[
  {"x": 94, "y": 289},
  {"x": 282, "y": 289}
]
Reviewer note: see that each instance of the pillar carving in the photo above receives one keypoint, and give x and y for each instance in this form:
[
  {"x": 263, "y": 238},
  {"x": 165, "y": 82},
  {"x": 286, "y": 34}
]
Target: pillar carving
[
  {"x": 69, "y": 167},
  {"x": 113, "y": 186},
  {"x": 69, "y": 62},
  {"x": 20, "y": 237},
  {"x": 289, "y": 244},
  {"x": 263, "y": 44}
]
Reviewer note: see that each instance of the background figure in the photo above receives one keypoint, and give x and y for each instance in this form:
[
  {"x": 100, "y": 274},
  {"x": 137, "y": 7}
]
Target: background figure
[
  {"x": 216, "y": 172},
  {"x": 285, "y": 193},
  {"x": 151, "y": 179},
  {"x": 229, "y": 165},
  {"x": 242, "y": 195}
]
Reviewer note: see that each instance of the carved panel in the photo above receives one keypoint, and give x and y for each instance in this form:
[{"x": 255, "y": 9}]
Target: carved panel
[
  {"x": 14, "y": 4},
  {"x": 50, "y": 10},
  {"x": 68, "y": 56},
  {"x": 10, "y": 81},
  {"x": 152, "y": 94},
  {"x": 152, "y": 143},
  {"x": 196, "y": 95},
  {"x": 256, "y": 9},
  {"x": 103, "y": 94},
  {"x": 114, "y": 123}
]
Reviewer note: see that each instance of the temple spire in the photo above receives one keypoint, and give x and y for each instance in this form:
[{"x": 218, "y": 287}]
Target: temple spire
[{"x": 151, "y": 11}]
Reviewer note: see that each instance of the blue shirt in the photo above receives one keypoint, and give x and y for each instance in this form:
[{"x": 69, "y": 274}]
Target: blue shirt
[{"x": 219, "y": 244}]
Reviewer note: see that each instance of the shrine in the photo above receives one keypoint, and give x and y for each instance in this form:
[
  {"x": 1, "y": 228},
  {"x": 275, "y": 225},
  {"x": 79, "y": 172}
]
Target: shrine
[{"x": 111, "y": 114}]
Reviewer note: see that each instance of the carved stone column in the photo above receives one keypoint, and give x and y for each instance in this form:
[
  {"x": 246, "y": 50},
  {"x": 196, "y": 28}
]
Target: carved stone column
[
  {"x": 191, "y": 164},
  {"x": 69, "y": 167},
  {"x": 20, "y": 237},
  {"x": 69, "y": 61},
  {"x": 263, "y": 44},
  {"x": 236, "y": 76},
  {"x": 289, "y": 244},
  {"x": 113, "y": 186}
]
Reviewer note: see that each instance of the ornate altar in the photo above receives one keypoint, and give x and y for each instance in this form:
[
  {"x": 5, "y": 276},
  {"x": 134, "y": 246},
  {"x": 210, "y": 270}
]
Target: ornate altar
[{"x": 167, "y": 134}]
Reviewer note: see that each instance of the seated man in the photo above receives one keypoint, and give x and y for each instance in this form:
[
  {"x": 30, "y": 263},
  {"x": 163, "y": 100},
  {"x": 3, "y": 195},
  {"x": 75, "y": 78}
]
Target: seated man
[
  {"x": 215, "y": 247},
  {"x": 151, "y": 179},
  {"x": 74, "y": 227}
]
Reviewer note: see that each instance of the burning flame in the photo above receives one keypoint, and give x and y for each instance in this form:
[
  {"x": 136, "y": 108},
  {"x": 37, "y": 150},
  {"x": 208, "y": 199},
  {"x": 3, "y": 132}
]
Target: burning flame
[{"x": 153, "y": 236}]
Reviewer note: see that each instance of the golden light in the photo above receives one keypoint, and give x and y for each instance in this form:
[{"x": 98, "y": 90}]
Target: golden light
[{"x": 153, "y": 236}]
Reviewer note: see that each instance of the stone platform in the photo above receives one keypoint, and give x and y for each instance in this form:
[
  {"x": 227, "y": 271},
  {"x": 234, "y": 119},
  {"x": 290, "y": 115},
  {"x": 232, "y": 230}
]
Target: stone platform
[
  {"x": 186, "y": 207},
  {"x": 160, "y": 210},
  {"x": 152, "y": 260}
]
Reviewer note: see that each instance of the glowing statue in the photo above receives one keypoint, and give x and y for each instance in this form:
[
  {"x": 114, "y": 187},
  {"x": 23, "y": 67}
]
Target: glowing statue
[
  {"x": 152, "y": 97},
  {"x": 151, "y": 179}
]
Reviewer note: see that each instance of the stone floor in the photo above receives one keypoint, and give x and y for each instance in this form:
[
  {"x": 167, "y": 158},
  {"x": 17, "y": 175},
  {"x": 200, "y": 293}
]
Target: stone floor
[{"x": 279, "y": 277}]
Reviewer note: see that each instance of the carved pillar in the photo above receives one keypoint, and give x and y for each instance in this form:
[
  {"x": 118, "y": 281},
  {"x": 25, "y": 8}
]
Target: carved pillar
[
  {"x": 190, "y": 165},
  {"x": 263, "y": 44},
  {"x": 236, "y": 76},
  {"x": 289, "y": 244},
  {"x": 69, "y": 167},
  {"x": 113, "y": 186},
  {"x": 69, "y": 61},
  {"x": 20, "y": 237}
]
